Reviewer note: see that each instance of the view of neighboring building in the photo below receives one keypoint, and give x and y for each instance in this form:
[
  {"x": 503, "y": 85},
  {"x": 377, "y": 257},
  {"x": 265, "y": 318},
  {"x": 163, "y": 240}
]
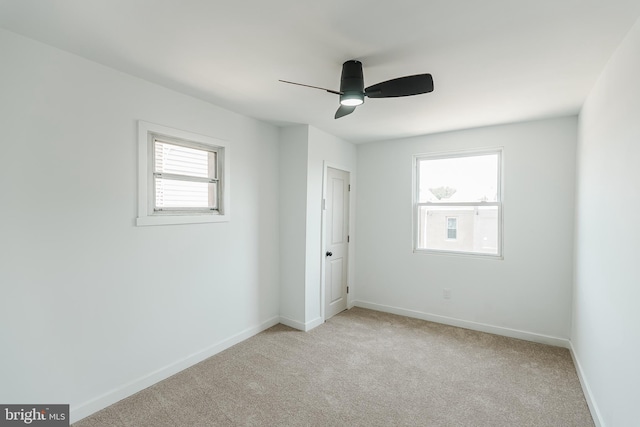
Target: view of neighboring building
[{"x": 458, "y": 229}]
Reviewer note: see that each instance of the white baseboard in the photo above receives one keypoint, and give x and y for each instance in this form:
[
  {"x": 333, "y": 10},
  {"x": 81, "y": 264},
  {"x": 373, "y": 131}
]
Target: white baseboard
[
  {"x": 482, "y": 327},
  {"x": 109, "y": 398},
  {"x": 292, "y": 323},
  {"x": 299, "y": 325},
  {"x": 593, "y": 407},
  {"x": 313, "y": 324}
]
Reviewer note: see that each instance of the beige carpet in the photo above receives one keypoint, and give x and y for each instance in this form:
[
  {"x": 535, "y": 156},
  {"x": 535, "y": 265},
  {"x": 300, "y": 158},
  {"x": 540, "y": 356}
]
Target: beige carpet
[{"x": 365, "y": 368}]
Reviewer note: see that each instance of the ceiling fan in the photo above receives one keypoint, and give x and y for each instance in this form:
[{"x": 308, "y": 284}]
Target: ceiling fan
[{"x": 352, "y": 90}]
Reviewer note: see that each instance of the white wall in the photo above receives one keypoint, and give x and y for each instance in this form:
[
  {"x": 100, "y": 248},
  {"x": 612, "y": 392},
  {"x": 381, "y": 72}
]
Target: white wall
[
  {"x": 293, "y": 222},
  {"x": 338, "y": 154},
  {"x": 304, "y": 152},
  {"x": 606, "y": 319},
  {"x": 91, "y": 305},
  {"x": 528, "y": 294}
]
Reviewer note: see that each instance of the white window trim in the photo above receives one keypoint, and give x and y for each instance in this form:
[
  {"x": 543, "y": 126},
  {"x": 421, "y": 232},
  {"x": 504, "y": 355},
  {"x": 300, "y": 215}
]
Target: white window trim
[
  {"x": 146, "y": 214},
  {"x": 499, "y": 203}
]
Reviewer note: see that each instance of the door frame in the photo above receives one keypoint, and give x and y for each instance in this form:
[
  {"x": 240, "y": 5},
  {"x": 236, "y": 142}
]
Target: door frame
[{"x": 323, "y": 243}]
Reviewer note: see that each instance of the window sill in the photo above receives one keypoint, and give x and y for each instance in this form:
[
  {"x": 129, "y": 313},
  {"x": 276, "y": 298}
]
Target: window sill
[
  {"x": 479, "y": 255},
  {"x": 180, "y": 219}
]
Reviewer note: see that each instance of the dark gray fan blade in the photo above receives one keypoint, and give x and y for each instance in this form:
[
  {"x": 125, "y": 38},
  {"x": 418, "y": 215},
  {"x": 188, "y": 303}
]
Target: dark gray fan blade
[
  {"x": 314, "y": 87},
  {"x": 344, "y": 110},
  {"x": 402, "y": 86}
]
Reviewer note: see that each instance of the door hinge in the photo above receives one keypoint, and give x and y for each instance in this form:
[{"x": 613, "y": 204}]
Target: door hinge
[
  {"x": 347, "y": 289},
  {"x": 324, "y": 204},
  {"x": 348, "y": 238},
  {"x": 349, "y": 187}
]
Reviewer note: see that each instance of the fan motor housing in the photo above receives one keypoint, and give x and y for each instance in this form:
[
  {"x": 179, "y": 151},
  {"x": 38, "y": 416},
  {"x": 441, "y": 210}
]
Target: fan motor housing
[{"x": 352, "y": 83}]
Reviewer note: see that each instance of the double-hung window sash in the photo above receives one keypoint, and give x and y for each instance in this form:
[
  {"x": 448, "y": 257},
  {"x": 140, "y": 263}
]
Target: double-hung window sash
[{"x": 185, "y": 177}]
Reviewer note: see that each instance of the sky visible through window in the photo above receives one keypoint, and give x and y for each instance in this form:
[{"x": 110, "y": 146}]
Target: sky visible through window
[{"x": 459, "y": 179}]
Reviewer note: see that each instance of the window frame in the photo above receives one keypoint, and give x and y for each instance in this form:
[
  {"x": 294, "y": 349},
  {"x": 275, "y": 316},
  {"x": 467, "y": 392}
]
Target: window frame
[
  {"x": 499, "y": 203},
  {"x": 148, "y": 134}
]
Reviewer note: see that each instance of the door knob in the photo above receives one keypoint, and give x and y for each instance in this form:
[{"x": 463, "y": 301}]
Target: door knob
[{"x": 329, "y": 253}]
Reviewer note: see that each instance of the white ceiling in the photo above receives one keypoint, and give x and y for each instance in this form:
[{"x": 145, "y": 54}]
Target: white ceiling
[{"x": 493, "y": 61}]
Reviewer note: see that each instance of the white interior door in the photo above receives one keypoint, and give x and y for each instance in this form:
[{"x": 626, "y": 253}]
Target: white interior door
[{"x": 336, "y": 242}]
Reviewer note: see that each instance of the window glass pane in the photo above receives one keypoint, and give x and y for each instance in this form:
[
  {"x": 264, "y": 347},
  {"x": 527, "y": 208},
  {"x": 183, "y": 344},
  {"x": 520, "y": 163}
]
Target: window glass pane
[
  {"x": 170, "y": 158},
  {"x": 476, "y": 229},
  {"x": 452, "y": 226},
  {"x": 458, "y": 179},
  {"x": 185, "y": 194}
]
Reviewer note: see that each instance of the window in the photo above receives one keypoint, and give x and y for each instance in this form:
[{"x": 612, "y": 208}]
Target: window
[
  {"x": 183, "y": 177},
  {"x": 452, "y": 228},
  {"x": 458, "y": 203}
]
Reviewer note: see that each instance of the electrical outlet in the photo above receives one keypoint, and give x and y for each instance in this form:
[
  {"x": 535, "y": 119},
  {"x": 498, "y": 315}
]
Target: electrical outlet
[{"x": 446, "y": 293}]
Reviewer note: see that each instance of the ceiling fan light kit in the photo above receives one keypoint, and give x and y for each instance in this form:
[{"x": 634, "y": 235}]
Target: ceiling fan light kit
[
  {"x": 351, "y": 99},
  {"x": 352, "y": 84},
  {"x": 352, "y": 90}
]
